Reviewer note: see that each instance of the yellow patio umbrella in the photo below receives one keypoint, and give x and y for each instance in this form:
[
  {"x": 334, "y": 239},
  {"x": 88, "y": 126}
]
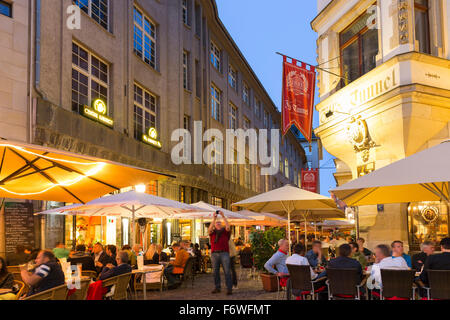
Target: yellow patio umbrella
[
  {"x": 290, "y": 201},
  {"x": 40, "y": 173},
  {"x": 424, "y": 176}
]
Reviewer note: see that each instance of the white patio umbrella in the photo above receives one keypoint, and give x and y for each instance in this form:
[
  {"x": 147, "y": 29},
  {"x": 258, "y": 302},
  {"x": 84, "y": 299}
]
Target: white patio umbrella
[
  {"x": 208, "y": 213},
  {"x": 424, "y": 176},
  {"x": 291, "y": 201},
  {"x": 263, "y": 217},
  {"x": 133, "y": 205},
  {"x": 59, "y": 211}
]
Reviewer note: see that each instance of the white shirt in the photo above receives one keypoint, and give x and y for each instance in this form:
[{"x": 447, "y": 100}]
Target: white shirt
[
  {"x": 298, "y": 260},
  {"x": 387, "y": 263}
]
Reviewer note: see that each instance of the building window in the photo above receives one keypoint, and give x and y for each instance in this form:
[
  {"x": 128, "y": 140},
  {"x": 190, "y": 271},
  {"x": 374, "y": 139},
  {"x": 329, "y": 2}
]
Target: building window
[
  {"x": 185, "y": 12},
  {"x": 286, "y": 168},
  {"x": 235, "y": 168},
  {"x": 257, "y": 108},
  {"x": 187, "y": 123},
  {"x": 359, "y": 48},
  {"x": 152, "y": 188},
  {"x": 216, "y": 157},
  {"x": 89, "y": 79},
  {"x": 182, "y": 194},
  {"x": 215, "y": 103},
  {"x": 232, "y": 77},
  {"x": 421, "y": 12},
  {"x": 218, "y": 202},
  {"x": 266, "y": 120},
  {"x": 247, "y": 174},
  {"x": 186, "y": 70},
  {"x": 233, "y": 116},
  {"x": 246, "y": 94},
  {"x": 145, "y": 111},
  {"x": 97, "y": 10},
  {"x": 6, "y": 8},
  {"x": 281, "y": 164},
  {"x": 215, "y": 56},
  {"x": 144, "y": 38}
]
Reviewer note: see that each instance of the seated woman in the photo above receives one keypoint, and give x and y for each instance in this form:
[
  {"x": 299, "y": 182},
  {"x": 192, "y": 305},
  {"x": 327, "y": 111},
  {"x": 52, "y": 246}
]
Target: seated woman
[
  {"x": 6, "y": 282},
  {"x": 151, "y": 256},
  {"x": 163, "y": 257}
]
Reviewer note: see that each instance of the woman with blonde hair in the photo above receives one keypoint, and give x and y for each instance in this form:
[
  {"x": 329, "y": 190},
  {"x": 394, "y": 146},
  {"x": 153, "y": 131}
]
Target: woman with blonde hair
[{"x": 151, "y": 256}]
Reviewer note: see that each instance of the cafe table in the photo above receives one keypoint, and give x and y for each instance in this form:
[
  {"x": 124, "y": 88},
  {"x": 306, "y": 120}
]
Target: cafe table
[{"x": 146, "y": 270}]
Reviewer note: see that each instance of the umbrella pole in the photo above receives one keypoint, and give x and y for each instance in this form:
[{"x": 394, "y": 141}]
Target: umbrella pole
[
  {"x": 133, "y": 227},
  {"x": 289, "y": 231}
]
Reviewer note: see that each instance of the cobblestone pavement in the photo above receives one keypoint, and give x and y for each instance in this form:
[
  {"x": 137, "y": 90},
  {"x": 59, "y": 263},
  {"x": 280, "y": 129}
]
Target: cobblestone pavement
[{"x": 248, "y": 289}]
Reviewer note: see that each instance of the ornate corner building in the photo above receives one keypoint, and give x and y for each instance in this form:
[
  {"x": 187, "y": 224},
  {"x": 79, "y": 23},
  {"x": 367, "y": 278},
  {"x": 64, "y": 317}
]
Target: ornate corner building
[{"x": 388, "y": 98}]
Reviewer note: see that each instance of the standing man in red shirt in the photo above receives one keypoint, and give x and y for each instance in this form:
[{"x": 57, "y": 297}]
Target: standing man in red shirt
[{"x": 220, "y": 252}]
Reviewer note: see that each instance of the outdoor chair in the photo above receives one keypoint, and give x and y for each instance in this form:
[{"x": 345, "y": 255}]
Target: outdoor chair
[
  {"x": 439, "y": 281},
  {"x": 188, "y": 272},
  {"x": 15, "y": 271},
  {"x": 138, "y": 280},
  {"x": 20, "y": 288},
  {"x": 81, "y": 294},
  {"x": 57, "y": 293},
  {"x": 247, "y": 264},
  {"x": 344, "y": 284},
  {"x": 398, "y": 284},
  {"x": 90, "y": 274},
  {"x": 300, "y": 279},
  {"x": 119, "y": 286}
]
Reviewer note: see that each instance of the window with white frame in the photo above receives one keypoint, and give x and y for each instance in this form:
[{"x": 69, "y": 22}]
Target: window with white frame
[
  {"x": 235, "y": 168},
  {"x": 90, "y": 79},
  {"x": 247, "y": 174},
  {"x": 97, "y": 10},
  {"x": 185, "y": 12},
  {"x": 216, "y": 110},
  {"x": 144, "y": 38},
  {"x": 232, "y": 77},
  {"x": 233, "y": 117},
  {"x": 186, "y": 70},
  {"x": 246, "y": 94},
  {"x": 215, "y": 56},
  {"x": 145, "y": 111}
]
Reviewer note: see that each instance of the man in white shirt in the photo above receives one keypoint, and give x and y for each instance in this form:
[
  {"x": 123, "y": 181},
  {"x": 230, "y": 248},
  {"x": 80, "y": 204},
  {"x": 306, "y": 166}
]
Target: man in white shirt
[{"x": 384, "y": 260}]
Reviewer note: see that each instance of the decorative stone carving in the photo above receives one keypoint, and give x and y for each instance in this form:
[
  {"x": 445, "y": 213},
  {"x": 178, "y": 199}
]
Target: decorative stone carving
[
  {"x": 358, "y": 135},
  {"x": 403, "y": 24}
]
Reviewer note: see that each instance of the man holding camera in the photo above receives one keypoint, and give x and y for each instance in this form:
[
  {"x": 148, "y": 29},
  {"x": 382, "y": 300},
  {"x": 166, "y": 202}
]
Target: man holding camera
[{"x": 220, "y": 252}]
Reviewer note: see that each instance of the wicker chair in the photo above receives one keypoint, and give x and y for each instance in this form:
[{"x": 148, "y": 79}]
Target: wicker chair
[
  {"x": 344, "y": 284},
  {"x": 15, "y": 271},
  {"x": 439, "y": 285},
  {"x": 246, "y": 263},
  {"x": 119, "y": 286},
  {"x": 90, "y": 274},
  {"x": 21, "y": 288},
  {"x": 398, "y": 284},
  {"x": 57, "y": 293},
  {"x": 81, "y": 294},
  {"x": 300, "y": 279}
]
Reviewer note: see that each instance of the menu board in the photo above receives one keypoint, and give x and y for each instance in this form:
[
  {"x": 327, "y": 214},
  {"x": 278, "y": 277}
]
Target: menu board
[{"x": 19, "y": 225}]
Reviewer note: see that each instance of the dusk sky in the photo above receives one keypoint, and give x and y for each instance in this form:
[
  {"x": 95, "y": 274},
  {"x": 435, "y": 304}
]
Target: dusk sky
[{"x": 262, "y": 27}]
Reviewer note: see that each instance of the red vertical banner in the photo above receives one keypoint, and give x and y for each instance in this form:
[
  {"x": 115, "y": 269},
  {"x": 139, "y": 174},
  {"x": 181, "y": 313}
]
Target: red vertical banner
[
  {"x": 299, "y": 86},
  {"x": 310, "y": 180}
]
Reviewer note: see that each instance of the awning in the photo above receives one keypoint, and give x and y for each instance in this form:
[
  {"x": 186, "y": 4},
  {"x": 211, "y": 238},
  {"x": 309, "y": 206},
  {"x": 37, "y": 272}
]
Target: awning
[{"x": 38, "y": 173}]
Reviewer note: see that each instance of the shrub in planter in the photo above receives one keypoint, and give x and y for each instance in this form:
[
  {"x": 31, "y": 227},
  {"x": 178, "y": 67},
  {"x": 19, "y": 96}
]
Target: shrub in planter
[{"x": 264, "y": 245}]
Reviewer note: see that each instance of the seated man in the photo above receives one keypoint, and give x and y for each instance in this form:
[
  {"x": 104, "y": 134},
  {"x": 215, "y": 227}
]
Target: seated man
[
  {"x": 176, "y": 267},
  {"x": 277, "y": 264},
  {"x": 315, "y": 257},
  {"x": 398, "y": 251},
  {"x": 47, "y": 274},
  {"x": 80, "y": 256},
  {"x": 384, "y": 260},
  {"x": 110, "y": 271},
  {"x": 101, "y": 259},
  {"x": 345, "y": 261},
  {"x": 419, "y": 260},
  {"x": 357, "y": 255},
  {"x": 438, "y": 261}
]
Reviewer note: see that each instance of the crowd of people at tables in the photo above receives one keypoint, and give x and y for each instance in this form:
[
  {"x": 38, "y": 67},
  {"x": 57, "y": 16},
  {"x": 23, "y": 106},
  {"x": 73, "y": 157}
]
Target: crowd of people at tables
[{"x": 353, "y": 255}]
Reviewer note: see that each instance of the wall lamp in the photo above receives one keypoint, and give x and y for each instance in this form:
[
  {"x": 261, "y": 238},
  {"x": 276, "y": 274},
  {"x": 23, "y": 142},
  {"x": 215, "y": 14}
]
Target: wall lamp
[{"x": 331, "y": 113}]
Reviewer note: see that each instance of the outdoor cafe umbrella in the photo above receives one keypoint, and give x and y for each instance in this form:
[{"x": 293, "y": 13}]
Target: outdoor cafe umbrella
[
  {"x": 39, "y": 173},
  {"x": 291, "y": 201},
  {"x": 133, "y": 205},
  {"x": 208, "y": 213},
  {"x": 424, "y": 176},
  {"x": 263, "y": 218}
]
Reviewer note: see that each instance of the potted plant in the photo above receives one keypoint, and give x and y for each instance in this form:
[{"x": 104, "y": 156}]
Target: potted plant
[{"x": 264, "y": 245}]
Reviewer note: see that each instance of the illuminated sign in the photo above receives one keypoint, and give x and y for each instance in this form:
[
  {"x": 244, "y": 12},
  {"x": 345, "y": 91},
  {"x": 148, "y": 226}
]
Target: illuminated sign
[
  {"x": 98, "y": 113},
  {"x": 152, "y": 138}
]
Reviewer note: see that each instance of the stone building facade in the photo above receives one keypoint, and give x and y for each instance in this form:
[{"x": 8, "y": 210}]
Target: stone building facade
[
  {"x": 387, "y": 97},
  {"x": 154, "y": 64}
]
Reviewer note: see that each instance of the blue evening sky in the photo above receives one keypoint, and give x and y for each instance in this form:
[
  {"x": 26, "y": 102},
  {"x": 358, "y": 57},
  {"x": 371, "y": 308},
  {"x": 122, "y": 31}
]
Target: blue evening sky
[{"x": 262, "y": 27}]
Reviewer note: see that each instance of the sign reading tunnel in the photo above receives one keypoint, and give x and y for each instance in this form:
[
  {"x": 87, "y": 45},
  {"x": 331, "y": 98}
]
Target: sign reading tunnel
[{"x": 98, "y": 113}]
